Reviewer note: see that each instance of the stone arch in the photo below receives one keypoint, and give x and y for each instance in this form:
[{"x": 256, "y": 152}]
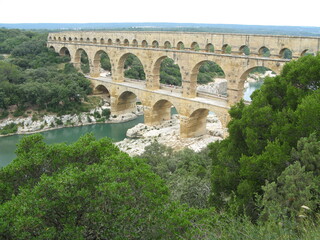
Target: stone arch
[
  {"x": 285, "y": 53},
  {"x": 226, "y": 49},
  {"x": 101, "y": 41},
  {"x": 54, "y": 38},
  {"x": 244, "y": 50},
  {"x": 88, "y": 40},
  {"x": 59, "y": 39},
  {"x": 81, "y": 39},
  {"x": 144, "y": 44},
  {"x": 118, "y": 42},
  {"x": 64, "y": 39},
  {"x": 155, "y": 44},
  {"x": 97, "y": 62},
  {"x": 119, "y": 70},
  {"x": 50, "y": 38},
  {"x": 109, "y": 41},
  {"x": 103, "y": 92},
  {"x": 307, "y": 52},
  {"x": 64, "y": 52},
  {"x": 167, "y": 45},
  {"x": 209, "y": 47},
  {"x": 195, "y": 46},
  {"x": 70, "y": 39},
  {"x": 75, "y": 39},
  {"x": 81, "y": 60},
  {"x": 160, "y": 112},
  {"x": 94, "y": 40},
  {"x": 126, "y": 42},
  {"x": 125, "y": 103},
  {"x": 264, "y": 52},
  {"x": 52, "y": 48},
  {"x": 135, "y": 43},
  {"x": 212, "y": 65},
  {"x": 196, "y": 124},
  {"x": 159, "y": 65},
  {"x": 180, "y": 46}
]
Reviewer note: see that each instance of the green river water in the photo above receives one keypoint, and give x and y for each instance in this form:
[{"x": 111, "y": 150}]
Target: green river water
[{"x": 115, "y": 131}]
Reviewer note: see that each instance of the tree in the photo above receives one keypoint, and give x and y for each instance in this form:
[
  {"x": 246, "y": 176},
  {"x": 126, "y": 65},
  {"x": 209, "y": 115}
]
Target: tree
[
  {"x": 262, "y": 134},
  {"x": 294, "y": 188}
]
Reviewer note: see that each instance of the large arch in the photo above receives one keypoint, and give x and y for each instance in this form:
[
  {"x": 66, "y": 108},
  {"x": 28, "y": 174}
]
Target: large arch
[
  {"x": 101, "y": 60},
  {"x": 216, "y": 71},
  {"x": 160, "y": 112},
  {"x": 120, "y": 68},
  {"x": 102, "y": 91},
  {"x": 64, "y": 51},
  {"x": 169, "y": 70},
  {"x": 195, "y": 125},
  {"x": 81, "y": 60},
  {"x": 125, "y": 103}
]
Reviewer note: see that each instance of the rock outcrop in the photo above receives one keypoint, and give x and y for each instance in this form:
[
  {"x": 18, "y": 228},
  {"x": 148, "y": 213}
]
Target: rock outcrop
[{"x": 168, "y": 133}]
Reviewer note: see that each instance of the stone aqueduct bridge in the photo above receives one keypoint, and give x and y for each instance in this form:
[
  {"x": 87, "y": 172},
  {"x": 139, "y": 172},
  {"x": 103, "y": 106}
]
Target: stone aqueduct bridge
[{"x": 189, "y": 51}]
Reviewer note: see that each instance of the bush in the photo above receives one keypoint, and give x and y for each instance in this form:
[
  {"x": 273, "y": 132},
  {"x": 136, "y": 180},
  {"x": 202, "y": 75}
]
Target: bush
[
  {"x": 4, "y": 114},
  {"x": 106, "y": 113},
  {"x": 8, "y": 129}
]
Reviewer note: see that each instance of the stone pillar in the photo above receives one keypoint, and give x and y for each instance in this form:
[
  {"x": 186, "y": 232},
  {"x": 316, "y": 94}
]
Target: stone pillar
[
  {"x": 193, "y": 126},
  {"x": 153, "y": 81},
  {"x": 234, "y": 95},
  {"x": 189, "y": 85},
  {"x": 77, "y": 63},
  {"x": 95, "y": 68},
  {"x": 147, "y": 115}
]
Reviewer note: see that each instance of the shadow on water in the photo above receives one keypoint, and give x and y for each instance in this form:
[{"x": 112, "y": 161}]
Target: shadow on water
[{"x": 115, "y": 131}]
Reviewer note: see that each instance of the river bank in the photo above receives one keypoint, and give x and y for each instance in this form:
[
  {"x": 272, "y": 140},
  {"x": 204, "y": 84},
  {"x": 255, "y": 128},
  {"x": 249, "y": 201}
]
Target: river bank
[{"x": 35, "y": 124}]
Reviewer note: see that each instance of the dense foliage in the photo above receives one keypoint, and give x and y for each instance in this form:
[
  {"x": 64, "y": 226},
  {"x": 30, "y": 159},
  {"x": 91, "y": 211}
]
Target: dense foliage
[
  {"x": 87, "y": 190},
  {"x": 36, "y": 76},
  {"x": 267, "y": 139}
]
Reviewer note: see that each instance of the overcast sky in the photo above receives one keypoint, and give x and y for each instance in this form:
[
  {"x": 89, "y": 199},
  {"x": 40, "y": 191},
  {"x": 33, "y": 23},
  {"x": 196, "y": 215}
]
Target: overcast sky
[{"x": 250, "y": 12}]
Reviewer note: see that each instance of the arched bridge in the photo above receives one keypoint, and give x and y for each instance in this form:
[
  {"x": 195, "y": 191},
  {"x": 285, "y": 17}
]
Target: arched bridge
[{"x": 236, "y": 54}]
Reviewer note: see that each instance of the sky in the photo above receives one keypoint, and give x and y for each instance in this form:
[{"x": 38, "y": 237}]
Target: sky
[{"x": 248, "y": 12}]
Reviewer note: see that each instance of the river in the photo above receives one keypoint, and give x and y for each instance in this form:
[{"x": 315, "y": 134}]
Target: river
[
  {"x": 249, "y": 90},
  {"x": 115, "y": 131}
]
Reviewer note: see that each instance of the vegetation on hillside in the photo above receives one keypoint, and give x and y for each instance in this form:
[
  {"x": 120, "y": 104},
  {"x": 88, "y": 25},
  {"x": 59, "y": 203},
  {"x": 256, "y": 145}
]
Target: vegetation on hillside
[{"x": 35, "y": 76}]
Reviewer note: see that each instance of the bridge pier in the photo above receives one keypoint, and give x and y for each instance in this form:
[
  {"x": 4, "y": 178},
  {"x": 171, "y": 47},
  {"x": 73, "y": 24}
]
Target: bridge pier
[
  {"x": 157, "y": 114},
  {"x": 194, "y": 125},
  {"x": 126, "y": 103}
]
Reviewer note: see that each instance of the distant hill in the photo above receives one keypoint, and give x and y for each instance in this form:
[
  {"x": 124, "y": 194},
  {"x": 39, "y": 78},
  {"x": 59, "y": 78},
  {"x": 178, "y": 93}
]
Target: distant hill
[{"x": 192, "y": 27}]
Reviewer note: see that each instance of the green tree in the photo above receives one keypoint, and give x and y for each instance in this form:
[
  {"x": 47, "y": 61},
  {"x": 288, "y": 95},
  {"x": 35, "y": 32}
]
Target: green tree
[{"x": 294, "y": 188}]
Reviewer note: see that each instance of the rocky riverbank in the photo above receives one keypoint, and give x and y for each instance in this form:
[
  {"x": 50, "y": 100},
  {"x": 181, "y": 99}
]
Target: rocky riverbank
[
  {"x": 39, "y": 123},
  {"x": 168, "y": 134}
]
